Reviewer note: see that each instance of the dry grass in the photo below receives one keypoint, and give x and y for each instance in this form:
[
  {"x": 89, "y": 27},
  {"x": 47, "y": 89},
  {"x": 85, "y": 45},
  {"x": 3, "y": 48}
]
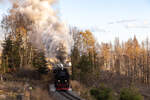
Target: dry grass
[
  {"x": 21, "y": 87},
  {"x": 18, "y": 83},
  {"x": 76, "y": 86},
  {"x": 81, "y": 90},
  {"x": 10, "y": 90},
  {"x": 39, "y": 94}
]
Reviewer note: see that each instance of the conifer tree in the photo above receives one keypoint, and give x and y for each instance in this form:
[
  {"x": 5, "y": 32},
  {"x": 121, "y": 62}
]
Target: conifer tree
[{"x": 39, "y": 62}]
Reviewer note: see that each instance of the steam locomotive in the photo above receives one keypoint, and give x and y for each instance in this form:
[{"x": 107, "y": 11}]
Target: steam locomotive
[{"x": 61, "y": 79}]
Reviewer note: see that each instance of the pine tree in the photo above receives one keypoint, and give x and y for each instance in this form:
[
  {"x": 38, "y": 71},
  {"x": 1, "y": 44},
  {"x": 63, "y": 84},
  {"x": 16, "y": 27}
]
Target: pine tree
[
  {"x": 7, "y": 55},
  {"x": 39, "y": 62}
]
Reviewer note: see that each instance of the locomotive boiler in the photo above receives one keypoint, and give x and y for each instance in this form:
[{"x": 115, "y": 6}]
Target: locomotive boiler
[{"x": 61, "y": 79}]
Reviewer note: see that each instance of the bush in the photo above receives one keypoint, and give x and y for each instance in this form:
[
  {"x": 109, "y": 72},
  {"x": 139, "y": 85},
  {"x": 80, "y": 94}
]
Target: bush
[
  {"x": 94, "y": 92},
  {"x": 130, "y": 94},
  {"x": 102, "y": 93}
]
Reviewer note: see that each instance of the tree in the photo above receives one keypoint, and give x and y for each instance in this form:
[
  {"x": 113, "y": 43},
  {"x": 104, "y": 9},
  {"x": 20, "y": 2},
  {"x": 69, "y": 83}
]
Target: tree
[
  {"x": 18, "y": 26},
  {"x": 39, "y": 62},
  {"x": 21, "y": 52},
  {"x": 105, "y": 54},
  {"x": 84, "y": 55},
  {"x": 6, "y": 54},
  {"x": 75, "y": 51},
  {"x": 118, "y": 54},
  {"x": 10, "y": 55}
]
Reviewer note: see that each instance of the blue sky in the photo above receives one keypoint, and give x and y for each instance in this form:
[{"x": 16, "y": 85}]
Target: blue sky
[{"x": 107, "y": 19}]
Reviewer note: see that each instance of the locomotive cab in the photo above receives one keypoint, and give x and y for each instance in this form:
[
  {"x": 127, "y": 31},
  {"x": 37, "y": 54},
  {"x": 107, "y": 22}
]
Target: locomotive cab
[{"x": 61, "y": 79}]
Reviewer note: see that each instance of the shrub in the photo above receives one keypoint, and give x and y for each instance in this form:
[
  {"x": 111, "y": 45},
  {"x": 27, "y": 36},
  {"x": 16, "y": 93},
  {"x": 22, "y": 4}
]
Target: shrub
[
  {"x": 94, "y": 92},
  {"x": 102, "y": 93},
  {"x": 130, "y": 94}
]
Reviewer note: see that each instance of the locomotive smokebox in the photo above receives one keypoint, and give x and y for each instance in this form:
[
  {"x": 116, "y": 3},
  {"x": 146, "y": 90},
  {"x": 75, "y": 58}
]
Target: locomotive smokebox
[{"x": 61, "y": 78}]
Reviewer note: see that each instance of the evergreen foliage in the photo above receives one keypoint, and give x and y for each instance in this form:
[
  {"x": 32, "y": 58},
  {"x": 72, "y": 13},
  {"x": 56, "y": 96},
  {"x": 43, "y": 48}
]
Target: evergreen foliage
[
  {"x": 130, "y": 94},
  {"x": 10, "y": 55},
  {"x": 102, "y": 93},
  {"x": 39, "y": 62}
]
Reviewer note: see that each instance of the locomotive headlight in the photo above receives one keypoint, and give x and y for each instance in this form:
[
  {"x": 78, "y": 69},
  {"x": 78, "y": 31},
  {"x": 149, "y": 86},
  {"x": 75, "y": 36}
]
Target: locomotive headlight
[{"x": 58, "y": 80}]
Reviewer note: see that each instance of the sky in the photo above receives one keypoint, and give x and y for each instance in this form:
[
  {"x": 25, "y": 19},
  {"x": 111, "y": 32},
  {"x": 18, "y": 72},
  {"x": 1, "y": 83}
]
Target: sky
[{"x": 107, "y": 19}]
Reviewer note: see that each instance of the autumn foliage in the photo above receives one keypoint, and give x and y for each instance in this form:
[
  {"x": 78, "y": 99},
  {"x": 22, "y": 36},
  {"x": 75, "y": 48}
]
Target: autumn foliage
[{"x": 130, "y": 58}]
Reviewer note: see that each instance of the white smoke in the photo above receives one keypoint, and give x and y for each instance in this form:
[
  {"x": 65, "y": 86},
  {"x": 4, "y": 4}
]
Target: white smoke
[
  {"x": 1, "y": 1},
  {"x": 48, "y": 30}
]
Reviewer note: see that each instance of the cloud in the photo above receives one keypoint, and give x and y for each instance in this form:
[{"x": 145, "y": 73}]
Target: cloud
[
  {"x": 111, "y": 23},
  {"x": 97, "y": 29},
  {"x": 133, "y": 24},
  {"x": 138, "y": 25},
  {"x": 126, "y": 21},
  {"x": 123, "y": 21}
]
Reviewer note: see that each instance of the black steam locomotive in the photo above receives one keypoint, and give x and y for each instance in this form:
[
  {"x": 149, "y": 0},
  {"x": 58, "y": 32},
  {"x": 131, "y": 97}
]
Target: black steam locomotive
[{"x": 61, "y": 79}]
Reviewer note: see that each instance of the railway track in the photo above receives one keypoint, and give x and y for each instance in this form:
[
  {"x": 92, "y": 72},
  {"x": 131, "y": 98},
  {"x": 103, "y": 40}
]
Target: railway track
[{"x": 69, "y": 96}]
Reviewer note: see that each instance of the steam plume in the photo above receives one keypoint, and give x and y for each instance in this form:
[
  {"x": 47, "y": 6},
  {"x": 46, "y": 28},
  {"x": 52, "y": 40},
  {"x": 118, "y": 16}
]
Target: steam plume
[{"x": 47, "y": 29}]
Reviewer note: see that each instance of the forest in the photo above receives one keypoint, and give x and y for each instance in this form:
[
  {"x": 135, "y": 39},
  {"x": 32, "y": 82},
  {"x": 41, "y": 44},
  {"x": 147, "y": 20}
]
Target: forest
[
  {"x": 118, "y": 70},
  {"x": 130, "y": 58},
  {"x": 106, "y": 67},
  {"x": 93, "y": 63}
]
